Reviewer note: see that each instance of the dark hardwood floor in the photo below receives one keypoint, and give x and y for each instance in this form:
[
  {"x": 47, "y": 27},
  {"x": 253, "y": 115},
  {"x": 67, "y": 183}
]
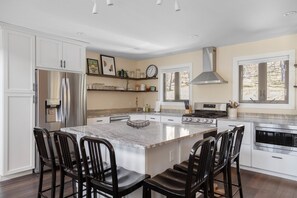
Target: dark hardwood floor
[{"x": 255, "y": 185}]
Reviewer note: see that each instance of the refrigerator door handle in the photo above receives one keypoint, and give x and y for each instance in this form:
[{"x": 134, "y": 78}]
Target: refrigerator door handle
[
  {"x": 68, "y": 98},
  {"x": 63, "y": 98}
]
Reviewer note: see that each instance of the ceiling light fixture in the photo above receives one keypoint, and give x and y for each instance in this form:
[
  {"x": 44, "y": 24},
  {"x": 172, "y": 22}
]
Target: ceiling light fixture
[
  {"x": 290, "y": 13},
  {"x": 109, "y": 2},
  {"x": 176, "y": 6},
  {"x": 94, "y": 10},
  {"x": 159, "y": 2}
]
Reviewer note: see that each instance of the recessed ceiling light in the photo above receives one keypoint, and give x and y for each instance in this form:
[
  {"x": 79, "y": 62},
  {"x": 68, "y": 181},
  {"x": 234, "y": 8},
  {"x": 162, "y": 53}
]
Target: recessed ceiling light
[{"x": 290, "y": 13}]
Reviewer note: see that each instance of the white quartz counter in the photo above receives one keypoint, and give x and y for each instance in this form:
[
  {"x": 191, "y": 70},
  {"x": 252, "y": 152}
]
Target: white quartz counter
[{"x": 155, "y": 134}]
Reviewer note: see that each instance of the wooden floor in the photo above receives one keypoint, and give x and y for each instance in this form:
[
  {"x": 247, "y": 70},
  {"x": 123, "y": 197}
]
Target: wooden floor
[{"x": 255, "y": 185}]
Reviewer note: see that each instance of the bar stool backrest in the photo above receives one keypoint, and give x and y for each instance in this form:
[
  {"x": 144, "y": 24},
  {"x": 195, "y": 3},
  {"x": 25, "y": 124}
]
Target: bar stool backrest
[
  {"x": 204, "y": 149},
  {"x": 101, "y": 153},
  {"x": 44, "y": 145},
  {"x": 223, "y": 147},
  {"x": 238, "y": 135},
  {"x": 66, "y": 143}
]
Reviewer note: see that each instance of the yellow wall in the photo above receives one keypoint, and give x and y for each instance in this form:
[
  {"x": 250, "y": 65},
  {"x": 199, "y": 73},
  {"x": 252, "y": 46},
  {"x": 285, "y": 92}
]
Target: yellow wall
[
  {"x": 209, "y": 93},
  {"x": 114, "y": 100}
]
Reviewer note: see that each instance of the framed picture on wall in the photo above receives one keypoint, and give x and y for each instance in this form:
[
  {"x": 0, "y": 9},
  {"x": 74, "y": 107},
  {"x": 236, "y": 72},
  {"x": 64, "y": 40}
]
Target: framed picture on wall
[
  {"x": 93, "y": 66},
  {"x": 108, "y": 65}
]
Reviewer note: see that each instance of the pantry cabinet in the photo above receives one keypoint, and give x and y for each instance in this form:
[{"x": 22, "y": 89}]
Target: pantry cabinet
[
  {"x": 60, "y": 55},
  {"x": 17, "y": 60}
]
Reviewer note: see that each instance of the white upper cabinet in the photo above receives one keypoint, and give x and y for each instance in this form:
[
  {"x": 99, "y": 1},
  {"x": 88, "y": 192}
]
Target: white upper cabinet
[
  {"x": 48, "y": 53},
  {"x": 19, "y": 61},
  {"x": 59, "y": 55}
]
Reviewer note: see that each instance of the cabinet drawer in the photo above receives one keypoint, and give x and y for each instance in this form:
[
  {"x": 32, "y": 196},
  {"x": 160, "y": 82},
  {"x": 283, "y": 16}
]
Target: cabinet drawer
[
  {"x": 226, "y": 124},
  {"x": 275, "y": 162},
  {"x": 99, "y": 120},
  {"x": 171, "y": 119},
  {"x": 137, "y": 117},
  {"x": 154, "y": 118}
]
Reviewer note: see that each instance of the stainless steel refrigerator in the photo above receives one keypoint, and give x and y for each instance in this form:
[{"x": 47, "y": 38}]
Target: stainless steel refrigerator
[{"x": 60, "y": 100}]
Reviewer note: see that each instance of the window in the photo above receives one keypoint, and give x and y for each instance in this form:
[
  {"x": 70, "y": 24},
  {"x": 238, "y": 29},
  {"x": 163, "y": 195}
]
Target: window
[
  {"x": 265, "y": 81},
  {"x": 175, "y": 83}
]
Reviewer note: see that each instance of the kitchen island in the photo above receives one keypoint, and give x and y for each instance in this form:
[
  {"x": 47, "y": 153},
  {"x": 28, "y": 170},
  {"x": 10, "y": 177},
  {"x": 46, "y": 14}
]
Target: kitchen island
[{"x": 150, "y": 149}]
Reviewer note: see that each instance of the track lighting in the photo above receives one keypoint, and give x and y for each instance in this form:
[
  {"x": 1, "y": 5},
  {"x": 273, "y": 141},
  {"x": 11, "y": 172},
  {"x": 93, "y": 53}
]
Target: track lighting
[
  {"x": 94, "y": 11},
  {"x": 109, "y": 2},
  {"x": 176, "y": 6},
  {"x": 159, "y": 2}
]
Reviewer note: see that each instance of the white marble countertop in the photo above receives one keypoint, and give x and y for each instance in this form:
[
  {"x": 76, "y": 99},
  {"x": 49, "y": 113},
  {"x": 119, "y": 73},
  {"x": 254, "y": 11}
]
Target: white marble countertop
[
  {"x": 155, "y": 134},
  {"x": 278, "y": 121}
]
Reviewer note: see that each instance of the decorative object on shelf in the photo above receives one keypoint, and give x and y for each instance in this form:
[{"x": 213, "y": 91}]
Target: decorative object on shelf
[
  {"x": 152, "y": 88},
  {"x": 108, "y": 65},
  {"x": 232, "y": 109},
  {"x": 93, "y": 66},
  {"x": 151, "y": 71},
  {"x": 137, "y": 73},
  {"x": 138, "y": 123},
  {"x": 142, "y": 87}
]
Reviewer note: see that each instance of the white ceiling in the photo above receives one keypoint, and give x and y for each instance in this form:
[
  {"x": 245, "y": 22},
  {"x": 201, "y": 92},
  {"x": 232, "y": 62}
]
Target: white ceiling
[{"x": 141, "y": 29}]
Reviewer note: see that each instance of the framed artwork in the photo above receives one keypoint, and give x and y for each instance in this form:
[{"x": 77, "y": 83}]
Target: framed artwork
[
  {"x": 93, "y": 66},
  {"x": 108, "y": 65}
]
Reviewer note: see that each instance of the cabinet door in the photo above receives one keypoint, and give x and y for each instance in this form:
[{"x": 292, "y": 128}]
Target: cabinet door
[
  {"x": 245, "y": 155},
  {"x": 19, "y": 147},
  {"x": 73, "y": 57},
  {"x": 20, "y": 61},
  {"x": 48, "y": 53}
]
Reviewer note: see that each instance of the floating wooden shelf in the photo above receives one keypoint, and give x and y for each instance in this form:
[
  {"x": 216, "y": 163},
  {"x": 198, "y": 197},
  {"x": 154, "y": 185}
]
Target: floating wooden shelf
[
  {"x": 118, "y": 77},
  {"x": 119, "y": 90}
]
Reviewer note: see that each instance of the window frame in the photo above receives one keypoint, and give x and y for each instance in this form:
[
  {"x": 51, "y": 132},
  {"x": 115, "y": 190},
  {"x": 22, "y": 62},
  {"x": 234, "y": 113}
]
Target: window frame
[
  {"x": 173, "y": 68},
  {"x": 237, "y": 61}
]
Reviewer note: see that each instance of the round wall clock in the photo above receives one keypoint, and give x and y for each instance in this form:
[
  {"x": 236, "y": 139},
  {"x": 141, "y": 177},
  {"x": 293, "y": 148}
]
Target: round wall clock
[{"x": 151, "y": 71}]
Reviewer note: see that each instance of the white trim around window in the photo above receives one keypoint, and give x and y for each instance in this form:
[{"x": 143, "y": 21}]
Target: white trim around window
[
  {"x": 256, "y": 58},
  {"x": 173, "y": 68}
]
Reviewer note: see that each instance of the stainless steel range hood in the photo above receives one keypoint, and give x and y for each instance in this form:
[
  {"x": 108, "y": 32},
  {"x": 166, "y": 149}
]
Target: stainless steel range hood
[{"x": 209, "y": 74}]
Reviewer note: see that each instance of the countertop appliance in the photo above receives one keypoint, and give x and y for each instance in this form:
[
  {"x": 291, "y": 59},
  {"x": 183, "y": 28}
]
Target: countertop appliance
[
  {"x": 206, "y": 114},
  {"x": 60, "y": 100},
  {"x": 278, "y": 138}
]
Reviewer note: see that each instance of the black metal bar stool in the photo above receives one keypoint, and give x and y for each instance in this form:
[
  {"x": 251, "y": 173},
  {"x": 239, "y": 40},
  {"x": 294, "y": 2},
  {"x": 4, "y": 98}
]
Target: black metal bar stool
[
  {"x": 234, "y": 157},
  {"x": 47, "y": 158},
  {"x": 176, "y": 184},
  {"x": 104, "y": 176},
  {"x": 69, "y": 161},
  {"x": 219, "y": 163}
]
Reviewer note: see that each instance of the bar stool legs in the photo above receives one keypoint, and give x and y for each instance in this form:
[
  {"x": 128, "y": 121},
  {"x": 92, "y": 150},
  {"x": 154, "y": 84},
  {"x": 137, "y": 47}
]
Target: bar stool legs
[{"x": 238, "y": 179}]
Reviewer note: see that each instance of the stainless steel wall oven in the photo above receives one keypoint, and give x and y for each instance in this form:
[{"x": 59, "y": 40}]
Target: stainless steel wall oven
[{"x": 276, "y": 138}]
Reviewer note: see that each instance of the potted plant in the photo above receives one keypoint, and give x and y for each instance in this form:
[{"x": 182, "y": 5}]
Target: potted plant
[{"x": 232, "y": 109}]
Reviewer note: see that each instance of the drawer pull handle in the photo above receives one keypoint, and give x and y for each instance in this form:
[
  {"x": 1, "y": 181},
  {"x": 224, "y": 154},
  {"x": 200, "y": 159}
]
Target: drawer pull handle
[
  {"x": 99, "y": 120},
  {"x": 152, "y": 118},
  {"x": 276, "y": 157},
  {"x": 170, "y": 120}
]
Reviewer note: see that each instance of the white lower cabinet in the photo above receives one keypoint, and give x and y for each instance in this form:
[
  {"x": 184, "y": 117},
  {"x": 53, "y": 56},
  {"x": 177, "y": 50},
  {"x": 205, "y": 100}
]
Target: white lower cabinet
[
  {"x": 98, "y": 120},
  {"x": 171, "y": 119},
  {"x": 246, "y": 147},
  {"x": 279, "y": 163},
  {"x": 18, "y": 144}
]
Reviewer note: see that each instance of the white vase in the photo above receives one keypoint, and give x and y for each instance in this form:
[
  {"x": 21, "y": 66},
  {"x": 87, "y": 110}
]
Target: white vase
[{"x": 232, "y": 113}]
